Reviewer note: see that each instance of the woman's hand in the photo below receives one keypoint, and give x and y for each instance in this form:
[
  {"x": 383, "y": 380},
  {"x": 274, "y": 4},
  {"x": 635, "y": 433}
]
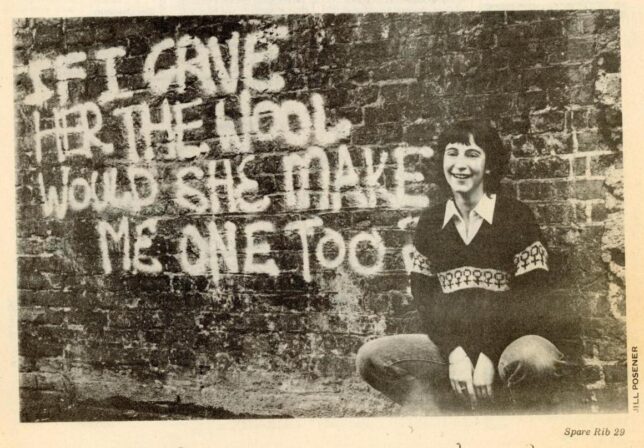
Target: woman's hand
[
  {"x": 460, "y": 374},
  {"x": 483, "y": 377}
]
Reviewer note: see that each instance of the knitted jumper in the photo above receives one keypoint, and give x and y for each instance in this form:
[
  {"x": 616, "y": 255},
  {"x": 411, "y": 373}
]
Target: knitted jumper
[{"x": 479, "y": 296}]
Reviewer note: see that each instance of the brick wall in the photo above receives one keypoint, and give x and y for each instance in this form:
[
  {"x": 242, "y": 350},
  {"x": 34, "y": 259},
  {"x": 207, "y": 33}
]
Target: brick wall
[{"x": 218, "y": 208}]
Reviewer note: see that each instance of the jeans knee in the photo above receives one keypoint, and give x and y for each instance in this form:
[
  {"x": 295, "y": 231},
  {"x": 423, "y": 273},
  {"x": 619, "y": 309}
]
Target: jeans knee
[
  {"x": 530, "y": 355},
  {"x": 365, "y": 360}
]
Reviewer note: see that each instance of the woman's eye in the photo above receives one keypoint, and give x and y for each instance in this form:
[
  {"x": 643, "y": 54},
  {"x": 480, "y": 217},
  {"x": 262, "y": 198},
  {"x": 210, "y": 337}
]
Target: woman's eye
[{"x": 473, "y": 154}]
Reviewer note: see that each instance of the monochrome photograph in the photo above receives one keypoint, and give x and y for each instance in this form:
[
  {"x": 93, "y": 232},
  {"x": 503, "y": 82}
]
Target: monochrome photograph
[{"x": 320, "y": 215}]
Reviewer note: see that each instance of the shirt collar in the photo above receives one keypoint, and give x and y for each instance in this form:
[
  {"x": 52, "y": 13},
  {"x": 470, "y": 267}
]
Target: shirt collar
[{"x": 485, "y": 209}]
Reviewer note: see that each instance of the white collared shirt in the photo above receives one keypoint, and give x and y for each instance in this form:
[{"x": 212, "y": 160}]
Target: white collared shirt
[{"x": 484, "y": 210}]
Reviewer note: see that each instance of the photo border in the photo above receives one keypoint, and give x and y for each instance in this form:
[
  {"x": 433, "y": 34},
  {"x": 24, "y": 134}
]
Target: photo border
[{"x": 461, "y": 432}]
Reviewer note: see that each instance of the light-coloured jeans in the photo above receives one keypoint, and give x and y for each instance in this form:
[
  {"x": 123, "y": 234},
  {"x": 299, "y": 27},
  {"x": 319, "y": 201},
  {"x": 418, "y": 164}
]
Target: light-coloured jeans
[{"x": 409, "y": 369}]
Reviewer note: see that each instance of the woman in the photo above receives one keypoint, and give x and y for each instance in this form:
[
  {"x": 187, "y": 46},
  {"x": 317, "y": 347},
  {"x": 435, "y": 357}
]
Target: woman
[{"x": 478, "y": 261}]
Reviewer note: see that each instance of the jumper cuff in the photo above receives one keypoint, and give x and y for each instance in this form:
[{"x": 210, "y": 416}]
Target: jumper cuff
[{"x": 456, "y": 355}]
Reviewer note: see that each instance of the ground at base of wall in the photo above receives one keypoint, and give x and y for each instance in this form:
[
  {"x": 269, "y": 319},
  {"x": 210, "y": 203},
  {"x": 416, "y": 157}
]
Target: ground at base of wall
[
  {"x": 43, "y": 406},
  {"x": 118, "y": 408}
]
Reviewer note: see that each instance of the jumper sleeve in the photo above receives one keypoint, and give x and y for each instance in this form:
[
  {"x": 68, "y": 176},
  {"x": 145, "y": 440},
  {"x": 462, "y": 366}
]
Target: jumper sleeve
[{"x": 530, "y": 280}]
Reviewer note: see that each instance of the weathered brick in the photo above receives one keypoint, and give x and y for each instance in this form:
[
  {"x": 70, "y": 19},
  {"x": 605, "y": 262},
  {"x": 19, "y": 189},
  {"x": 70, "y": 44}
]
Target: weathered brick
[
  {"x": 588, "y": 189},
  {"x": 48, "y": 35},
  {"x": 581, "y": 94},
  {"x": 580, "y": 49},
  {"x": 610, "y": 117},
  {"x": 514, "y": 35},
  {"x": 610, "y": 62},
  {"x": 599, "y": 212},
  {"x": 580, "y": 166},
  {"x": 549, "y": 143},
  {"x": 545, "y": 190},
  {"x": 548, "y": 79},
  {"x": 540, "y": 168},
  {"x": 590, "y": 140},
  {"x": 600, "y": 164},
  {"x": 544, "y": 78},
  {"x": 532, "y": 100},
  {"x": 527, "y": 16},
  {"x": 420, "y": 133},
  {"x": 555, "y": 213},
  {"x": 550, "y": 121},
  {"x": 547, "y": 29},
  {"x": 373, "y": 116},
  {"x": 397, "y": 69},
  {"x": 581, "y": 24}
]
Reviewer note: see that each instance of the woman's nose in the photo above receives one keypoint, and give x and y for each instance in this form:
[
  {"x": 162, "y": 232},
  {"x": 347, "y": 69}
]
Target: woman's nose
[{"x": 460, "y": 163}]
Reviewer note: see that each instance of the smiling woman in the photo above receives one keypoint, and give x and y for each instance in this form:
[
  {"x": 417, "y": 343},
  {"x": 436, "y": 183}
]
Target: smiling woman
[
  {"x": 463, "y": 166},
  {"x": 478, "y": 261}
]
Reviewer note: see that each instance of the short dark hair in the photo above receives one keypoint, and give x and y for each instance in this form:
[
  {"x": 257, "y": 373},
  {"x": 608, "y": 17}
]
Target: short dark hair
[{"x": 486, "y": 136}]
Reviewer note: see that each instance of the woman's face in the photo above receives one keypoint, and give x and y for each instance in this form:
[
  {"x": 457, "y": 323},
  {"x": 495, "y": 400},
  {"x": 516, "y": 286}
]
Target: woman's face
[{"x": 464, "y": 167}]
